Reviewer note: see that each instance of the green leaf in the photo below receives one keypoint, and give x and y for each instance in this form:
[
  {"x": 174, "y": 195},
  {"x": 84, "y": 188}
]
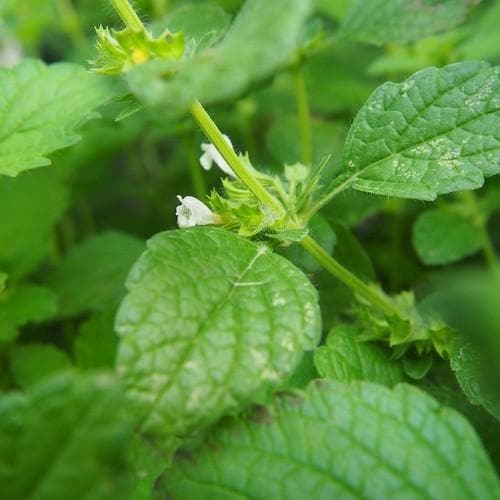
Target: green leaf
[
  {"x": 92, "y": 275},
  {"x": 466, "y": 361},
  {"x": 253, "y": 48},
  {"x": 22, "y": 305},
  {"x": 385, "y": 21},
  {"x": 41, "y": 108},
  {"x": 435, "y": 133},
  {"x": 441, "y": 236},
  {"x": 212, "y": 321},
  {"x": 29, "y": 207},
  {"x": 345, "y": 358},
  {"x": 357, "y": 440},
  {"x": 67, "y": 438},
  {"x": 31, "y": 363},
  {"x": 96, "y": 343}
]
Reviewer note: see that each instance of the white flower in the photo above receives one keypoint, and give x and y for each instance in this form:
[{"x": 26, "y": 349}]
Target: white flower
[
  {"x": 211, "y": 155},
  {"x": 11, "y": 52},
  {"x": 192, "y": 212}
]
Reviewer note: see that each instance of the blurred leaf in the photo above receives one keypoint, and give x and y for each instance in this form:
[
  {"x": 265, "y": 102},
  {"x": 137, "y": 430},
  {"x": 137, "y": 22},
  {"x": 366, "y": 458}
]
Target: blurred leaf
[
  {"x": 66, "y": 438},
  {"x": 283, "y": 139},
  {"x": 96, "y": 343},
  {"x": 334, "y": 8},
  {"x": 91, "y": 276},
  {"x": 252, "y": 49},
  {"x": 31, "y": 363},
  {"x": 384, "y": 21},
  {"x": 441, "y": 236},
  {"x": 30, "y": 205},
  {"x": 22, "y": 305},
  {"x": 202, "y": 23},
  {"x": 41, "y": 107},
  {"x": 334, "y": 83},
  {"x": 483, "y": 41}
]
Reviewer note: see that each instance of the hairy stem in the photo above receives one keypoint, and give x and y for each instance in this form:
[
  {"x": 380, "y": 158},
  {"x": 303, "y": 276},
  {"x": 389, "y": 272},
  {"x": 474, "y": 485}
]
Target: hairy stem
[
  {"x": 303, "y": 114},
  {"x": 128, "y": 15},
  {"x": 240, "y": 169},
  {"x": 359, "y": 287}
]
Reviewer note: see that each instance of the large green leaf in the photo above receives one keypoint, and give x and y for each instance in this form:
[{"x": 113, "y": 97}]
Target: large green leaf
[
  {"x": 437, "y": 132},
  {"x": 41, "y": 107},
  {"x": 92, "y": 274},
  {"x": 357, "y": 440},
  {"x": 211, "y": 322},
  {"x": 345, "y": 358},
  {"x": 67, "y": 438},
  {"x": 29, "y": 207},
  {"x": 384, "y": 21},
  {"x": 442, "y": 236},
  {"x": 261, "y": 39}
]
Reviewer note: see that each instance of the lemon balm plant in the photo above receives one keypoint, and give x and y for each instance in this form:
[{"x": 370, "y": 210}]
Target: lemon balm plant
[{"x": 253, "y": 353}]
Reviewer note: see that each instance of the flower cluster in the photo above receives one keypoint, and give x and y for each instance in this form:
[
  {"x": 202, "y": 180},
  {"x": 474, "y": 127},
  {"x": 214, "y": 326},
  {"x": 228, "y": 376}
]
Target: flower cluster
[{"x": 240, "y": 210}]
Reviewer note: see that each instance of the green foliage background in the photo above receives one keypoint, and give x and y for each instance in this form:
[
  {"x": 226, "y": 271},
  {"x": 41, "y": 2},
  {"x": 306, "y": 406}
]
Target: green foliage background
[{"x": 196, "y": 363}]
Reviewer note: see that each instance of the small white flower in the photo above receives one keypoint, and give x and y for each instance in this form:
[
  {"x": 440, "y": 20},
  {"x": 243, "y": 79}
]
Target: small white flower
[
  {"x": 11, "y": 52},
  {"x": 211, "y": 155},
  {"x": 192, "y": 212}
]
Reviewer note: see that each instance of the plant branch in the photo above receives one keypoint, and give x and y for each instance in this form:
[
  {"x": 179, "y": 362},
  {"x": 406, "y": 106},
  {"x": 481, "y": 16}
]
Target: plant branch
[
  {"x": 359, "y": 287},
  {"x": 240, "y": 169},
  {"x": 128, "y": 15}
]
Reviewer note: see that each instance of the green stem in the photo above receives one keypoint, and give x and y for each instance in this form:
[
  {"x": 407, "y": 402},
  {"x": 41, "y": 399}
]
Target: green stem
[
  {"x": 240, "y": 169},
  {"x": 345, "y": 276},
  {"x": 303, "y": 114},
  {"x": 128, "y": 15}
]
